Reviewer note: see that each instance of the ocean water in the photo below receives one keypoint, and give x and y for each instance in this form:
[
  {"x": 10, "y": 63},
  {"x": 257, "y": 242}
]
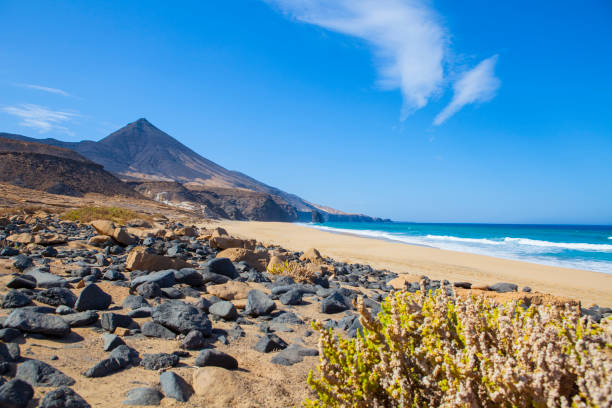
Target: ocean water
[{"x": 586, "y": 247}]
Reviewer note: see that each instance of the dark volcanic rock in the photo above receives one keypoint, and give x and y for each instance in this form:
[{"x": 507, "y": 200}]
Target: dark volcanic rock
[
  {"x": 110, "y": 321},
  {"x": 503, "y": 287},
  {"x": 293, "y": 354},
  {"x": 189, "y": 276},
  {"x": 181, "y": 317},
  {"x": 270, "y": 342},
  {"x": 135, "y": 302},
  {"x": 259, "y": 304},
  {"x": 119, "y": 358},
  {"x": 8, "y": 335},
  {"x": 217, "y": 279},
  {"x": 292, "y": 297},
  {"x": 216, "y": 358},
  {"x": 164, "y": 279},
  {"x": 142, "y": 396},
  {"x": 111, "y": 341},
  {"x": 56, "y": 297},
  {"x": 174, "y": 386},
  {"x": 22, "y": 262},
  {"x": 152, "y": 329},
  {"x": 33, "y": 322},
  {"x": 81, "y": 319},
  {"x": 46, "y": 279},
  {"x": 224, "y": 309},
  {"x": 194, "y": 340},
  {"x": 159, "y": 361},
  {"x": 14, "y": 299},
  {"x": 22, "y": 282},
  {"x": 63, "y": 397},
  {"x": 93, "y": 298},
  {"x": 149, "y": 290},
  {"x": 15, "y": 394},
  {"x": 41, "y": 374},
  {"x": 222, "y": 266},
  {"x": 334, "y": 303}
]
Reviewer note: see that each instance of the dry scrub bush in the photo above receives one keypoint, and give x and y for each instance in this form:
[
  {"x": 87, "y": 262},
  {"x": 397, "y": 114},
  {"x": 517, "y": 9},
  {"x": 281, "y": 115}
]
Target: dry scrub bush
[
  {"x": 115, "y": 214},
  {"x": 297, "y": 271},
  {"x": 427, "y": 350}
]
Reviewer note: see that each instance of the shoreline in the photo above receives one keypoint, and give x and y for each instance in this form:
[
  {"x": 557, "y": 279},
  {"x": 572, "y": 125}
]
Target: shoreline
[
  {"x": 403, "y": 258},
  {"x": 361, "y": 233}
]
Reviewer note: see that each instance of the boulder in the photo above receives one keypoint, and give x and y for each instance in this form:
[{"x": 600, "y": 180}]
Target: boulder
[
  {"x": 224, "y": 310},
  {"x": 142, "y": 396},
  {"x": 46, "y": 279},
  {"x": 33, "y": 322},
  {"x": 63, "y": 397},
  {"x": 189, "y": 276},
  {"x": 213, "y": 383},
  {"x": 149, "y": 290},
  {"x": 159, "y": 361},
  {"x": 16, "y": 394},
  {"x": 255, "y": 259},
  {"x": 92, "y": 298},
  {"x": 22, "y": 282},
  {"x": 134, "y": 302},
  {"x": 100, "y": 241},
  {"x": 15, "y": 299},
  {"x": 503, "y": 287},
  {"x": 230, "y": 290},
  {"x": 38, "y": 239},
  {"x": 270, "y": 342},
  {"x": 111, "y": 321},
  {"x": 292, "y": 297},
  {"x": 119, "y": 358},
  {"x": 224, "y": 241},
  {"x": 312, "y": 255},
  {"x": 164, "y": 279},
  {"x": 174, "y": 386},
  {"x": 212, "y": 357},
  {"x": 56, "y": 297},
  {"x": 144, "y": 259},
  {"x": 293, "y": 354},
  {"x": 181, "y": 317},
  {"x": 111, "y": 341},
  {"x": 194, "y": 340},
  {"x": 152, "y": 329},
  {"x": 334, "y": 303},
  {"x": 81, "y": 319},
  {"x": 259, "y": 304},
  {"x": 119, "y": 234},
  {"x": 222, "y": 266},
  {"x": 39, "y": 374}
]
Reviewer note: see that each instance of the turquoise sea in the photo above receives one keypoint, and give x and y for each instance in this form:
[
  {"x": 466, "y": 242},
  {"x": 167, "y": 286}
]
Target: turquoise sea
[{"x": 574, "y": 246}]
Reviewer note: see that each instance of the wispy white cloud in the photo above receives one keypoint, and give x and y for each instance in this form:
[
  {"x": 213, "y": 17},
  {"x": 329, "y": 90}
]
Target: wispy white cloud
[
  {"x": 41, "y": 118},
  {"x": 44, "y": 89},
  {"x": 476, "y": 85},
  {"x": 407, "y": 40}
]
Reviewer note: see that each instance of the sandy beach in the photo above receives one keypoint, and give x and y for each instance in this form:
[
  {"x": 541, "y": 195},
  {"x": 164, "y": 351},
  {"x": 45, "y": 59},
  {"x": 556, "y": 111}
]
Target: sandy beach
[{"x": 586, "y": 286}]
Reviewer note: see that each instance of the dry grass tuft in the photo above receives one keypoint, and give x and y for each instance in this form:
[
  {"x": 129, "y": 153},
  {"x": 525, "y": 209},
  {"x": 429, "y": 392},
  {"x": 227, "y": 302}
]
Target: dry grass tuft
[
  {"x": 295, "y": 270},
  {"x": 116, "y": 214}
]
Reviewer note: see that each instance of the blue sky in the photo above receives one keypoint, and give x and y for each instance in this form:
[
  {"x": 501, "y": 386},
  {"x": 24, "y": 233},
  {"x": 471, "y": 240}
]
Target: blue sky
[{"x": 413, "y": 110}]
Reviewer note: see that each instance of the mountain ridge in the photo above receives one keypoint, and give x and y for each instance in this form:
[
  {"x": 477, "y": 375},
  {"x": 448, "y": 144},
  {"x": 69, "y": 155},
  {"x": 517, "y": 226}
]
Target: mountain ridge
[{"x": 140, "y": 151}]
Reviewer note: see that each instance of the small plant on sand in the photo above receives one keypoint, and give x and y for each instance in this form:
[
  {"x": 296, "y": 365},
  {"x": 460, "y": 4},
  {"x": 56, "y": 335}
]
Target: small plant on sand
[
  {"x": 298, "y": 272},
  {"x": 428, "y": 350},
  {"x": 115, "y": 214}
]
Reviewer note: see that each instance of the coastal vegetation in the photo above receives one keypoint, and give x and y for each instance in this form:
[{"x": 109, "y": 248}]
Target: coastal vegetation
[{"x": 428, "y": 349}]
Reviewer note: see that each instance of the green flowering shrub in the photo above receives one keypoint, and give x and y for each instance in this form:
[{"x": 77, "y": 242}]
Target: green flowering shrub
[{"x": 428, "y": 350}]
